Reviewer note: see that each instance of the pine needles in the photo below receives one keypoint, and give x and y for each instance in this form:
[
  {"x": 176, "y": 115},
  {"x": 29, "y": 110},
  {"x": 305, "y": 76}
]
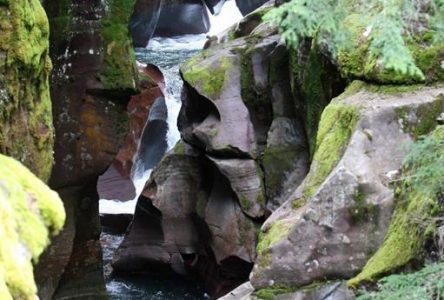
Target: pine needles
[{"x": 390, "y": 23}]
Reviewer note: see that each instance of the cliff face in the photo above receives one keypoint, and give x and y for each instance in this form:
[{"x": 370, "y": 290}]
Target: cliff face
[
  {"x": 93, "y": 79},
  {"x": 26, "y": 130}
]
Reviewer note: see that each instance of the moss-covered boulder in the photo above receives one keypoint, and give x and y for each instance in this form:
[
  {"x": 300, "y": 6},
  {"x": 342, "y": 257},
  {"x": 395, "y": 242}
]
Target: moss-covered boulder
[
  {"x": 417, "y": 208},
  {"x": 26, "y": 131},
  {"x": 337, "y": 219},
  {"x": 30, "y": 213},
  {"x": 357, "y": 62}
]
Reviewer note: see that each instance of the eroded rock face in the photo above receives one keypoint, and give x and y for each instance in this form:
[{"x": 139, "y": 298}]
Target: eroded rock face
[
  {"x": 93, "y": 80},
  {"x": 207, "y": 198},
  {"x": 190, "y": 221},
  {"x": 338, "y": 218}
]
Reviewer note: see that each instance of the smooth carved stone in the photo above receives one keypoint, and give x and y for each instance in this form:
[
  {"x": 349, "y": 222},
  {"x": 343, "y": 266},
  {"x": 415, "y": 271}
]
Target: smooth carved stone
[
  {"x": 247, "y": 6},
  {"x": 190, "y": 17},
  {"x": 232, "y": 231},
  {"x": 245, "y": 180},
  {"x": 144, "y": 20},
  {"x": 234, "y": 136}
]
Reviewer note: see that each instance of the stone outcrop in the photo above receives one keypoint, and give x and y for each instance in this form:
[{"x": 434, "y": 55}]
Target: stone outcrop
[
  {"x": 26, "y": 131},
  {"x": 219, "y": 167},
  {"x": 337, "y": 219},
  {"x": 30, "y": 213},
  {"x": 92, "y": 82}
]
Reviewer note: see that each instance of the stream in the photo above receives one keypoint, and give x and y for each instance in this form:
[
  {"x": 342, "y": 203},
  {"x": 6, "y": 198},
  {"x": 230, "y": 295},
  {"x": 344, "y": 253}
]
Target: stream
[{"x": 167, "y": 54}]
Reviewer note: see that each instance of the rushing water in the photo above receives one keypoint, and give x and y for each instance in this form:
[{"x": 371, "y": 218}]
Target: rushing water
[{"x": 167, "y": 54}]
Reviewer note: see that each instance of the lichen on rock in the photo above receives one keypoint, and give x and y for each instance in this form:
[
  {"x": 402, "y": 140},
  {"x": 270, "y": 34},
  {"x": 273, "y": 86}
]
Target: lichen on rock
[
  {"x": 26, "y": 130},
  {"x": 29, "y": 214}
]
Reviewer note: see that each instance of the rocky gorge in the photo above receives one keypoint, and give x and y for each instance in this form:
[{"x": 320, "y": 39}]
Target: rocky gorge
[{"x": 294, "y": 176}]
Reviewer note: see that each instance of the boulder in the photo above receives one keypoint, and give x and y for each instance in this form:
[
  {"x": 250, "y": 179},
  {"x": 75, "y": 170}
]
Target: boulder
[
  {"x": 210, "y": 236},
  {"x": 336, "y": 220}
]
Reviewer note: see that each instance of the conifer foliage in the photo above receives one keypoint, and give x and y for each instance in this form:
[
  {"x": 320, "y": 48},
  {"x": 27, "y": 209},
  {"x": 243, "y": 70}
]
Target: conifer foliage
[{"x": 390, "y": 24}]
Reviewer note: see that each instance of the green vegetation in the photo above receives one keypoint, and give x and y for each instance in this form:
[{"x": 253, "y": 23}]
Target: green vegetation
[
  {"x": 119, "y": 71},
  {"x": 272, "y": 292},
  {"x": 371, "y": 39},
  {"x": 29, "y": 212},
  {"x": 425, "y": 115},
  {"x": 207, "y": 73},
  {"x": 335, "y": 128},
  {"x": 26, "y": 130},
  {"x": 277, "y": 161},
  {"x": 426, "y": 284},
  {"x": 416, "y": 209},
  {"x": 273, "y": 234}
]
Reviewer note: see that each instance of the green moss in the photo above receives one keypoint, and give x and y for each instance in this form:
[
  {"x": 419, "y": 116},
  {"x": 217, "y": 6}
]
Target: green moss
[
  {"x": 272, "y": 292},
  {"x": 275, "y": 233},
  {"x": 29, "y": 212},
  {"x": 389, "y": 89},
  {"x": 316, "y": 97},
  {"x": 335, "y": 129},
  {"x": 425, "y": 116},
  {"x": 26, "y": 130},
  {"x": 179, "y": 149},
  {"x": 207, "y": 73},
  {"x": 413, "y": 219},
  {"x": 119, "y": 71},
  {"x": 363, "y": 211},
  {"x": 298, "y": 203},
  {"x": 277, "y": 161},
  {"x": 245, "y": 202}
]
